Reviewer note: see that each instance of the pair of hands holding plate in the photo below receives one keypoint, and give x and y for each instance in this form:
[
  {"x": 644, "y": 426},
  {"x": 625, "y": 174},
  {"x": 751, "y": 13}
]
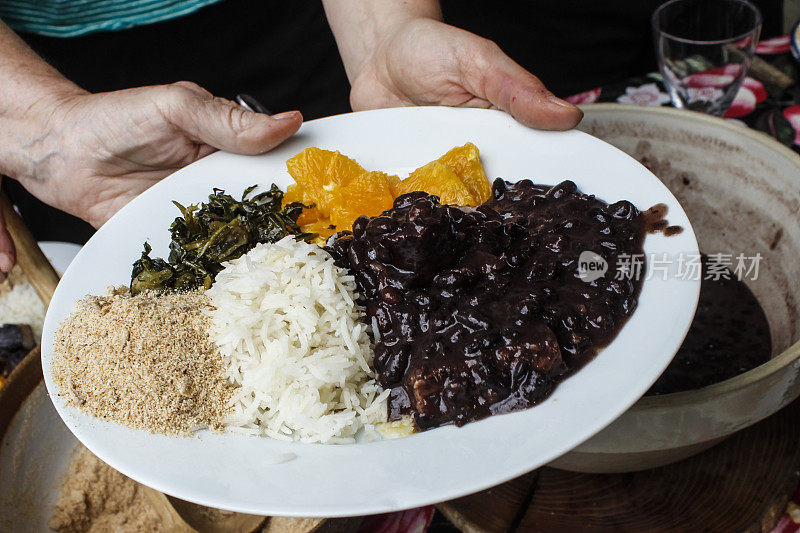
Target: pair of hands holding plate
[{"x": 90, "y": 154}]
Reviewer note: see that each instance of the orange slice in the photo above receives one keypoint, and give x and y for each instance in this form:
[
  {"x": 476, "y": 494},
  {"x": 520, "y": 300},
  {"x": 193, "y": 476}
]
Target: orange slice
[
  {"x": 466, "y": 163},
  {"x": 320, "y": 172},
  {"x": 439, "y": 179},
  {"x": 368, "y": 194}
]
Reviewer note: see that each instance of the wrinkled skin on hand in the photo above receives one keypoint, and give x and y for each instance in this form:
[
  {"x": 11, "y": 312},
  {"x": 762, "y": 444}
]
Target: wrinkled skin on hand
[
  {"x": 427, "y": 62},
  {"x": 102, "y": 150},
  {"x": 93, "y": 153}
]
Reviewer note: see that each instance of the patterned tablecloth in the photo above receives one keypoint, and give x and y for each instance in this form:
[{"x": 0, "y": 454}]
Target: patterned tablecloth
[{"x": 768, "y": 101}]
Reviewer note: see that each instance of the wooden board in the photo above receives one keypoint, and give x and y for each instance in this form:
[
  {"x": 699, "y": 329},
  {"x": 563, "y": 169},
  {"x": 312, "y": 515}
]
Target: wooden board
[
  {"x": 742, "y": 484},
  {"x": 30, "y": 257}
]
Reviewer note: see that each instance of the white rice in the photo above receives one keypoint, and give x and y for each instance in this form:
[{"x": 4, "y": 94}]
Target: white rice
[
  {"x": 291, "y": 336},
  {"x": 22, "y": 305}
]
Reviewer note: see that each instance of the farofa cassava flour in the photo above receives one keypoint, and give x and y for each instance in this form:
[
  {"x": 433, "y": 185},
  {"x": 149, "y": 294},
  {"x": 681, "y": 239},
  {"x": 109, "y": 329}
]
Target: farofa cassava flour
[{"x": 145, "y": 361}]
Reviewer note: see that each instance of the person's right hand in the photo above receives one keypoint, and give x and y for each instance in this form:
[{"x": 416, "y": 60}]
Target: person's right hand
[
  {"x": 90, "y": 154},
  {"x": 96, "y": 152}
]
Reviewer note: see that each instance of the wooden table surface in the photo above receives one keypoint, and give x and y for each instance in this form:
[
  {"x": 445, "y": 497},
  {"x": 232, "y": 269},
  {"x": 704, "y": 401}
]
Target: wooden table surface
[{"x": 742, "y": 484}]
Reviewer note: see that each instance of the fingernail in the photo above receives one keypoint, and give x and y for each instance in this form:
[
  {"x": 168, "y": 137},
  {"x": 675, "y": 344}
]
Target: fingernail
[
  {"x": 559, "y": 102},
  {"x": 288, "y": 114},
  {"x": 6, "y": 263}
]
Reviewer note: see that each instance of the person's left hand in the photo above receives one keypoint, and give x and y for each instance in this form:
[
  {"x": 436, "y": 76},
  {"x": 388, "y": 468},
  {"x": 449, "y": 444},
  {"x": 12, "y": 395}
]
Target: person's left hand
[{"x": 427, "y": 62}]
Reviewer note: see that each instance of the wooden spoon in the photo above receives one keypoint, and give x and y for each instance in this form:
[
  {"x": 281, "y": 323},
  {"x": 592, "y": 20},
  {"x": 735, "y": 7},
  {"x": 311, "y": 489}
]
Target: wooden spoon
[
  {"x": 207, "y": 520},
  {"x": 171, "y": 521},
  {"x": 31, "y": 259}
]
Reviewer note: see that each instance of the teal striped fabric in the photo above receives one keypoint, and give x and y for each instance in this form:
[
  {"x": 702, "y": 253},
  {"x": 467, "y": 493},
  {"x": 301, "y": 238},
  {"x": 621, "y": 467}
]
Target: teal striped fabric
[{"x": 69, "y": 18}]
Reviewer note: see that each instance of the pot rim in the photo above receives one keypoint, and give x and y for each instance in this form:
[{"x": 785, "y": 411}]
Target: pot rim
[{"x": 780, "y": 361}]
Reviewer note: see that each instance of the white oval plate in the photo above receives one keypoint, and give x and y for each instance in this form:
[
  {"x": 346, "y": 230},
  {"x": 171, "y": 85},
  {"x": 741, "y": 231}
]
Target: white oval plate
[{"x": 238, "y": 473}]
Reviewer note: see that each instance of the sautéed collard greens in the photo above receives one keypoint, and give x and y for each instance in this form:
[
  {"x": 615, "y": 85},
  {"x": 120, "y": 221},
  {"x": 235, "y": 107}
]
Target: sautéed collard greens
[{"x": 216, "y": 231}]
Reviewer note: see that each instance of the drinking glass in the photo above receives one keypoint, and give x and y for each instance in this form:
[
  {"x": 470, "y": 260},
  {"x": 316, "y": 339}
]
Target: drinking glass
[{"x": 704, "y": 49}]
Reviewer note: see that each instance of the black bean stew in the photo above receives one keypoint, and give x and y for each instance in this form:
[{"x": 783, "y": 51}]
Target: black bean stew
[
  {"x": 482, "y": 310},
  {"x": 729, "y": 336}
]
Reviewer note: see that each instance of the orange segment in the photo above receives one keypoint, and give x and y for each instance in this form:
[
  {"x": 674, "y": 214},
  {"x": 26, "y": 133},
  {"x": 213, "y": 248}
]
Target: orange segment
[
  {"x": 324, "y": 228},
  {"x": 320, "y": 172},
  {"x": 340, "y": 190},
  {"x": 394, "y": 185},
  {"x": 368, "y": 194},
  {"x": 439, "y": 179},
  {"x": 466, "y": 163},
  {"x": 309, "y": 215},
  {"x": 294, "y": 193}
]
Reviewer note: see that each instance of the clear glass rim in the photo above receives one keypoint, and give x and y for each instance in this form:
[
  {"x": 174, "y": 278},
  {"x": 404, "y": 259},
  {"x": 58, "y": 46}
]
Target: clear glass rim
[{"x": 659, "y": 32}]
